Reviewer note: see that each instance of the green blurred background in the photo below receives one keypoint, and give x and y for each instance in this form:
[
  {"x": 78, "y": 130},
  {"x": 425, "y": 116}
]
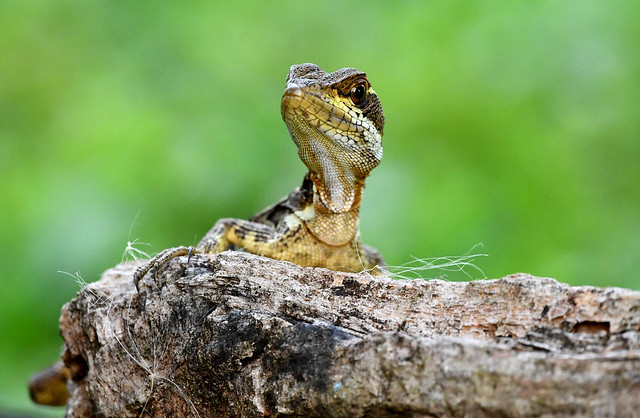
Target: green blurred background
[{"x": 511, "y": 124}]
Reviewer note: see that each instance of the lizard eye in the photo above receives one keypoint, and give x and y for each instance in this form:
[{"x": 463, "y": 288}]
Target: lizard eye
[{"x": 358, "y": 94}]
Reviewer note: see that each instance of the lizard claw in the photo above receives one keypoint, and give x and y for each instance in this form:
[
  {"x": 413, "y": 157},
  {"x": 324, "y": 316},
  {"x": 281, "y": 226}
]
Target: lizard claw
[{"x": 160, "y": 259}]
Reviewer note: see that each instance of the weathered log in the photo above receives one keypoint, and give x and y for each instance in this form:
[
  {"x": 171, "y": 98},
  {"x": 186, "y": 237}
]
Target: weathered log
[{"x": 236, "y": 334}]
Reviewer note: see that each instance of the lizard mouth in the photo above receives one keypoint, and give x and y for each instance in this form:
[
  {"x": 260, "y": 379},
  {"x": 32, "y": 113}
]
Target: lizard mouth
[
  {"x": 346, "y": 127},
  {"x": 343, "y": 126}
]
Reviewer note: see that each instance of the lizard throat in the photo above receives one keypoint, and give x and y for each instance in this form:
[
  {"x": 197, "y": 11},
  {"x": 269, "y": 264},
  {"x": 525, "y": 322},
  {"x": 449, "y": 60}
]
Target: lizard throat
[{"x": 332, "y": 175}]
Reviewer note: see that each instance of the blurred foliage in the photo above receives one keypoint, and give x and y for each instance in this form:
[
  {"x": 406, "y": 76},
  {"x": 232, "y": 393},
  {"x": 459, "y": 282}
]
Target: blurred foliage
[{"x": 515, "y": 125}]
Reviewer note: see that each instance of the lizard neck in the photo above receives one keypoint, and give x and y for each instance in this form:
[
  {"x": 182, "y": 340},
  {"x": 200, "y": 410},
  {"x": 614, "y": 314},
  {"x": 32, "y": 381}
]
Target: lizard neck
[{"x": 334, "y": 228}]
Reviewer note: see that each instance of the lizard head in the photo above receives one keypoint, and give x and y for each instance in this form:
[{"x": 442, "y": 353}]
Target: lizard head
[{"x": 336, "y": 121}]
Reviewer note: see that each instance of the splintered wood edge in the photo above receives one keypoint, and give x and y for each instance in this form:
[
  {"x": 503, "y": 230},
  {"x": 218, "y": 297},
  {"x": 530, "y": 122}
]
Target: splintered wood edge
[{"x": 486, "y": 309}]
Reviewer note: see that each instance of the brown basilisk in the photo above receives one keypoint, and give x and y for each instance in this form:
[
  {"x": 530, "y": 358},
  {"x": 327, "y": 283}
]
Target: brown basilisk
[{"x": 336, "y": 121}]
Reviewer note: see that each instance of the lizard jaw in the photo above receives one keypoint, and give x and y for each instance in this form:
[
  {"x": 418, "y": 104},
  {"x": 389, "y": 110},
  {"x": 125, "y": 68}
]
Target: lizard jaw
[{"x": 337, "y": 144}]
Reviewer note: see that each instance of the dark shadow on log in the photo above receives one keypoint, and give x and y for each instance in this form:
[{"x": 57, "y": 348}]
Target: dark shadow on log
[{"x": 240, "y": 335}]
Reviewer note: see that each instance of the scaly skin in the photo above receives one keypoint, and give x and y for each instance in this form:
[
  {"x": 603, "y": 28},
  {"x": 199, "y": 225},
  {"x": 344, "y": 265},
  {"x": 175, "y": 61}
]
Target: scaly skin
[{"x": 336, "y": 121}]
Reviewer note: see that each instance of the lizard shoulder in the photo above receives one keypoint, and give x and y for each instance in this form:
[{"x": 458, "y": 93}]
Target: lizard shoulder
[{"x": 297, "y": 201}]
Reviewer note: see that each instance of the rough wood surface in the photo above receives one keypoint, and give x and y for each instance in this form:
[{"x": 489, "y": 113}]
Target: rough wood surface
[{"x": 235, "y": 334}]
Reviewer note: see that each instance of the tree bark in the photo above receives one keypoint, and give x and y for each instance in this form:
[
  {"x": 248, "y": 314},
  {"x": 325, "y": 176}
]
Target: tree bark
[{"x": 236, "y": 334}]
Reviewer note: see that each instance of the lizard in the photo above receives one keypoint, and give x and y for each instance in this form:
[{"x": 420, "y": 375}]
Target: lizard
[{"x": 336, "y": 121}]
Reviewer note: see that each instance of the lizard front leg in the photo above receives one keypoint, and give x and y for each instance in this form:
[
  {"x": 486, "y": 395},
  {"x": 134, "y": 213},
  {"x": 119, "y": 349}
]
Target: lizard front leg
[{"x": 248, "y": 235}]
